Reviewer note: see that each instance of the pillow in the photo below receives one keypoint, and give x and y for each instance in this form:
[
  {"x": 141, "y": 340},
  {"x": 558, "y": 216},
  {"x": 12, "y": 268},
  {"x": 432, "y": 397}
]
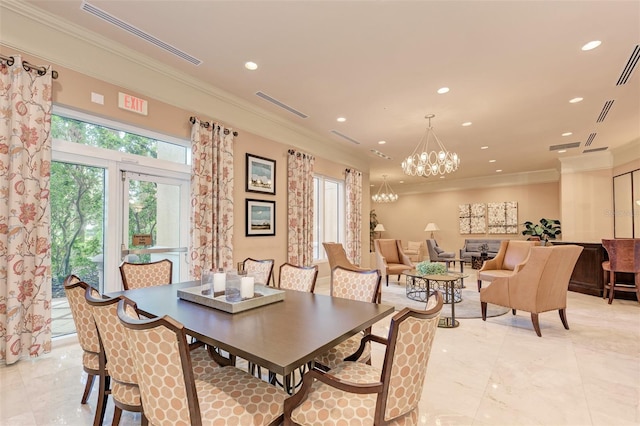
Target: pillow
[
  {"x": 438, "y": 250},
  {"x": 414, "y": 245}
]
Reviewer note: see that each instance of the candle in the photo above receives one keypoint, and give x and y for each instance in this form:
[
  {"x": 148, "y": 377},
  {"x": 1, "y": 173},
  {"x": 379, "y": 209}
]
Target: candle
[
  {"x": 246, "y": 287},
  {"x": 219, "y": 279}
]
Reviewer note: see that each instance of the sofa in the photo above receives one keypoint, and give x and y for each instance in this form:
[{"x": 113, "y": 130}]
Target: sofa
[{"x": 472, "y": 247}]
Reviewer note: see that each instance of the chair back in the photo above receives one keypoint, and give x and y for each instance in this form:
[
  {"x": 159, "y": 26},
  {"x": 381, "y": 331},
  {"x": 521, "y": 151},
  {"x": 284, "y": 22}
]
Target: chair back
[
  {"x": 113, "y": 338},
  {"x": 75, "y": 290},
  {"x": 338, "y": 257},
  {"x": 163, "y": 366},
  {"x": 262, "y": 270},
  {"x": 410, "y": 340},
  {"x": 554, "y": 280},
  {"x": 624, "y": 254},
  {"x": 516, "y": 252},
  {"x": 301, "y": 278},
  {"x": 389, "y": 249},
  {"x": 355, "y": 285},
  {"x": 139, "y": 275}
]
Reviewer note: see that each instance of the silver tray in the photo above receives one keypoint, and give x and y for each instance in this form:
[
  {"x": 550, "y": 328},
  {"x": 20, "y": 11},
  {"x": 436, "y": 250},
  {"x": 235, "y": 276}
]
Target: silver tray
[{"x": 263, "y": 295}]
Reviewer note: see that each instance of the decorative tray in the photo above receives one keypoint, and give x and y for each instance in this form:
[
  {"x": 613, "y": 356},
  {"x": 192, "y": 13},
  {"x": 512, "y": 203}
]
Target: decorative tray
[{"x": 263, "y": 295}]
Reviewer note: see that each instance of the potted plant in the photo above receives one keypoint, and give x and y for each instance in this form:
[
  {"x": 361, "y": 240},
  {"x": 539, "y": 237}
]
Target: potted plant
[
  {"x": 373, "y": 222},
  {"x": 546, "y": 230},
  {"x": 431, "y": 268},
  {"x": 484, "y": 250}
]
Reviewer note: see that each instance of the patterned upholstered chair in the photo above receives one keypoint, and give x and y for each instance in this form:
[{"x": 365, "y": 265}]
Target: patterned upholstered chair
[
  {"x": 170, "y": 392},
  {"x": 354, "y": 392},
  {"x": 262, "y": 270},
  {"x": 139, "y": 275},
  {"x": 93, "y": 358},
  {"x": 354, "y": 285},
  {"x": 299, "y": 278}
]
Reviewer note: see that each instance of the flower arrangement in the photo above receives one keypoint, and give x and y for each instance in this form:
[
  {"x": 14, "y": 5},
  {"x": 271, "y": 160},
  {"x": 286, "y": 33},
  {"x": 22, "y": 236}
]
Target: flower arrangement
[
  {"x": 431, "y": 268},
  {"x": 484, "y": 248}
]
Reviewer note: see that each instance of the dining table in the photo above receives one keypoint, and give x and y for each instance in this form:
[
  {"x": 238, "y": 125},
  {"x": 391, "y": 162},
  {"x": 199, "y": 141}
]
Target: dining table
[{"x": 279, "y": 336}]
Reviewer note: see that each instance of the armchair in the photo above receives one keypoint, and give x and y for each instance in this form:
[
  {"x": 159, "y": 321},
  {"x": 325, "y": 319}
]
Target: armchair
[
  {"x": 414, "y": 250},
  {"x": 436, "y": 254},
  {"x": 540, "y": 285},
  {"x": 511, "y": 257},
  {"x": 338, "y": 257},
  {"x": 390, "y": 259}
]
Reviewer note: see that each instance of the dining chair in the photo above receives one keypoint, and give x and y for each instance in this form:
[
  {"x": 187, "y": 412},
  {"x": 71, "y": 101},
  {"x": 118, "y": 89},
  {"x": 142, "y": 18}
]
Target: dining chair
[
  {"x": 357, "y": 393},
  {"x": 262, "y": 270},
  {"x": 355, "y": 285},
  {"x": 300, "y": 278},
  {"x": 139, "y": 275},
  {"x": 94, "y": 362},
  {"x": 624, "y": 257},
  {"x": 170, "y": 392}
]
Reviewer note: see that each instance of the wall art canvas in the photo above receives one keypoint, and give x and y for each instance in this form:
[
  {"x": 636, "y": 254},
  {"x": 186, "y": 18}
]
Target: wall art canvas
[
  {"x": 472, "y": 218},
  {"x": 503, "y": 217},
  {"x": 261, "y": 217},
  {"x": 261, "y": 175}
]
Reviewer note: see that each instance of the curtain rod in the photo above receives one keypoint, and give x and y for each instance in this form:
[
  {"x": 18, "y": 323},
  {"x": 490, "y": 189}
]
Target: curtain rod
[
  {"x": 301, "y": 154},
  {"x": 28, "y": 67},
  {"x": 206, "y": 125}
]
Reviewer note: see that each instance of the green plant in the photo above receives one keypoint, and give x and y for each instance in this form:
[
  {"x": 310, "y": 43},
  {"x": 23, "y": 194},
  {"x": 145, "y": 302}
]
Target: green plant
[
  {"x": 431, "y": 268},
  {"x": 547, "y": 229},
  {"x": 373, "y": 222}
]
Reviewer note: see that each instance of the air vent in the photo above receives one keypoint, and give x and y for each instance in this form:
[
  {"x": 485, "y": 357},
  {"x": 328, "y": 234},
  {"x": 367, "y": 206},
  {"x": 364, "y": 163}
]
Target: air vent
[
  {"x": 605, "y": 110},
  {"x": 631, "y": 64},
  {"x": 586, "y": 151},
  {"x": 342, "y": 135},
  {"x": 590, "y": 139},
  {"x": 380, "y": 154},
  {"x": 99, "y": 13},
  {"x": 280, "y": 104},
  {"x": 564, "y": 146}
]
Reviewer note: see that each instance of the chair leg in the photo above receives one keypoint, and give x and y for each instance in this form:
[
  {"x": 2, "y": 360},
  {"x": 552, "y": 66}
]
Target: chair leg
[
  {"x": 479, "y": 285},
  {"x": 536, "y": 324},
  {"x": 483, "y": 305},
  {"x": 87, "y": 388},
  {"x": 143, "y": 420},
  {"x": 103, "y": 394},
  {"x": 117, "y": 413},
  {"x": 513, "y": 312},
  {"x": 612, "y": 285},
  {"x": 563, "y": 318},
  {"x": 387, "y": 280},
  {"x": 606, "y": 282}
]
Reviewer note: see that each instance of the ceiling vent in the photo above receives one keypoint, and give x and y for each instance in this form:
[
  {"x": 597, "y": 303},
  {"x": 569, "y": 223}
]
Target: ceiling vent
[
  {"x": 629, "y": 67},
  {"x": 343, "y": 136},
  {"x": 281, "y": 104},
  {"x": 99, "y": 13},
  {"x": 586, "y": 151},
  {"x": 605, "y": 110},
  {"x": 380, "y": 154},
  {"x": 590, "y": 139},
  {"x": 564, "y": 146}
]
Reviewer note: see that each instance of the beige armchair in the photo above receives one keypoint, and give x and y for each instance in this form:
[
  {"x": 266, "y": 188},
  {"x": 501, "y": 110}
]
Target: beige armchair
[
  {"x": 390, "y": 259},
  {"x": 415, "y": 250},
  {"x": 338, "y": 257},
  {"x": 512, "y": 255},
  {"x": 540, "y": 285}
]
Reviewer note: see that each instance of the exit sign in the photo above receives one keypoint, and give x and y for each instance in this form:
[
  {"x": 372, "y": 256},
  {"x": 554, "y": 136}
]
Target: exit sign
[{"x": 131, "y": 103}]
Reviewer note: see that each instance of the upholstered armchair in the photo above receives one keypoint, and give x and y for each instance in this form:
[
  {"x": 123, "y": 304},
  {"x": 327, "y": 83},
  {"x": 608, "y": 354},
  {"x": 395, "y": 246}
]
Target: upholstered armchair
[
  {"x": 540, "y": 285},
  {"x": 436, "y": 254},
  {"x": 390, "y": 258},
  {"x": 415, "y": 250},
  {"x": 338, "y": 257},
  {"x": 513, "y": 254}
]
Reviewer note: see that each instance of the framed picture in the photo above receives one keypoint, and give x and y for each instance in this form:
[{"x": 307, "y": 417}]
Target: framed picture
[
  {"x": 261, "y": 218},
  {"x": 261, "y": 175}
]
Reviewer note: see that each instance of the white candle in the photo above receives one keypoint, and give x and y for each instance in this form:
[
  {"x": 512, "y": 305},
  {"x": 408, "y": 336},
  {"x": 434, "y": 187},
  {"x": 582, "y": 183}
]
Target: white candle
[
  {"x": 219, "y": 279},
  {"x": 246, "y": 287}
]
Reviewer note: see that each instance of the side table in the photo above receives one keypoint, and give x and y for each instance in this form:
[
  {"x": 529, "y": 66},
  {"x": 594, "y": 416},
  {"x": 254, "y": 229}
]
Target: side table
[{"x": 477, "y": 261}]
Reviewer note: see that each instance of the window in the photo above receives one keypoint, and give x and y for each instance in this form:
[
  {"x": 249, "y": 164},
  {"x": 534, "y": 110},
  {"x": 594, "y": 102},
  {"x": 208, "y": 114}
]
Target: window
[{"x": 329, "y": 213}]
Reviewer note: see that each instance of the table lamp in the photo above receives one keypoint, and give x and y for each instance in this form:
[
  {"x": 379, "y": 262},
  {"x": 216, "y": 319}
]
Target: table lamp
[
  {"x": 379, "y": 229},
  {"x": 431, "y": 227}
]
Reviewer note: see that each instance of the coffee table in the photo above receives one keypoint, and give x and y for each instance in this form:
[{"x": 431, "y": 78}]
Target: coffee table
[{"x": 420, "y": 287}]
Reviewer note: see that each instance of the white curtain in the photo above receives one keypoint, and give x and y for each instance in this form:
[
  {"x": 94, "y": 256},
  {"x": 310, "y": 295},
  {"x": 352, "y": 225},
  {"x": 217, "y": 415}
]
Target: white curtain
[
  {"x": 300, "y": 208},
  {"x": 353, "y": 189},
  {"x": 211, "y": 198}
]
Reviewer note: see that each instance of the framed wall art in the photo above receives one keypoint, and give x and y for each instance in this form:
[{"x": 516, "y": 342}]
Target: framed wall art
[
  {"x": 261, "y": 175},
  {"x": 472, "y": 218},
  {"x": 261, "y": 218},
  {"x": 503, "y": 217}
]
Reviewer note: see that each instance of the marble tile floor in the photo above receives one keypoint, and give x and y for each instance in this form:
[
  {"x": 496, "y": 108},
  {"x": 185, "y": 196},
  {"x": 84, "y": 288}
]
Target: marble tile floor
[{"x": 496, "y": 372}]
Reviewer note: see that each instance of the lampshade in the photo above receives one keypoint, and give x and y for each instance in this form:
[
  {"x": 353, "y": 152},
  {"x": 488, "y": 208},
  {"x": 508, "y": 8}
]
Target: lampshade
[
  {"x": 385, "y": 194},
  {"x": 379, "y": 228},
  {"x": 425, "y": 162},
  {"x": 431, "y": 227}
]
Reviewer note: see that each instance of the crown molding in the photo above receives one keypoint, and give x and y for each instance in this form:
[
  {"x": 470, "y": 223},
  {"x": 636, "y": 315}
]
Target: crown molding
[
  {"x": 586, "y": 162},
  {"x": 626, "y": 153}
]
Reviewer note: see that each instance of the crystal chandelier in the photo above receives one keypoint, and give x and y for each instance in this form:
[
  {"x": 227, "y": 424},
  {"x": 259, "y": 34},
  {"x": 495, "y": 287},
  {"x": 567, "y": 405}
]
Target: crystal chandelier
[
  {"x": 423, "y": 162},
  {"x": 385, "y": 194}
]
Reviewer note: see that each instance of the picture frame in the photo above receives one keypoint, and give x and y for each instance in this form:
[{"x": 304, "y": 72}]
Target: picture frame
[
  {"x": 260, "y": 218},
  {"x": 261, "y": 175}
]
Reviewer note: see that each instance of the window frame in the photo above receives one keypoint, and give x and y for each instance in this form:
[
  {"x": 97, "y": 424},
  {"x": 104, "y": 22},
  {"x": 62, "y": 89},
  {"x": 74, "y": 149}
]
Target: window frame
[{"x": 320, "y": 220}]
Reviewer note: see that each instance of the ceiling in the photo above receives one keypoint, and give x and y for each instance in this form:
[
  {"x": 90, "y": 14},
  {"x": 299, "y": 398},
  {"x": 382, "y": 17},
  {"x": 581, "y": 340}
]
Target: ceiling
[{"x": 511, "y": 67}]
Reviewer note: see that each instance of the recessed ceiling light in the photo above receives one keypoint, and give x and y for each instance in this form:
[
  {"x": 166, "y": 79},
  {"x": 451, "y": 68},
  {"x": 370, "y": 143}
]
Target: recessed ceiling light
[
  {"x": 401, "y": 181},
  {"x": 441, "y": 177},
  {"x": 562, "y": 151},
  {"x": 492, "y": 161},
  {"x": 252, "y": 66},
  {"x": 498, "y": 170},
  {"x": 591, "y": 45},
  {"x": 484, "y": 147},
  {"x": 575, "y": 100},
  {"x": 443, "y": 90},
  {"x": 341, "y": 119},
  {"x": 467, "y": 123},
  {"x": 382, "y": 142},
  {"x": 567, "y": 134}
]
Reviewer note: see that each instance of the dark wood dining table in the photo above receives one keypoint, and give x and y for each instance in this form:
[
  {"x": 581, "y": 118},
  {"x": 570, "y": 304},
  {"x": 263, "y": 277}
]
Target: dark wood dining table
[{"x": 280, "y": 336}]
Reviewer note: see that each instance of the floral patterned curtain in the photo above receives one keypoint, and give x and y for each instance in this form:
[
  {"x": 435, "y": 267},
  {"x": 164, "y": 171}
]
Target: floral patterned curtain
[
  {"x": 300, "y": 208},
  {"x": 353, "y": 209},
  {"x": 25, "y": 215},
  {"x": 211, "y": 198}
]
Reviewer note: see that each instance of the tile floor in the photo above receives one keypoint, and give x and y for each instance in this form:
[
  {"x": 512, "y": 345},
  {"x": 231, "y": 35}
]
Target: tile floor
[{"x": 496, "y": 372}]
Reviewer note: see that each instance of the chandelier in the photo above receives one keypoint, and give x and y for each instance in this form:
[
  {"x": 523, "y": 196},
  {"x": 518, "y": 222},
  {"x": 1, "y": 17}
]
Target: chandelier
[
  {"x": 385, "y": 194},
  {"x": 423, "y": 162}
]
